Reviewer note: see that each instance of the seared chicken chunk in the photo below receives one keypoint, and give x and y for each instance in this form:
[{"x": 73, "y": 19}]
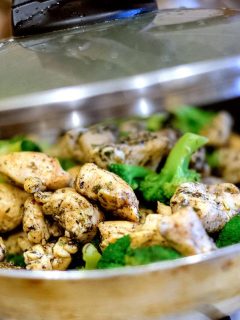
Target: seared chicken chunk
[
  {"x": 219, "y": 130},
  {"x": 2, "y": 249},
  {"x": 34, "y": 223},
  {"x": 234, "y": 141},
  {"x": 148, "y": 234},
  {"x": 17, "y": 243},
  {"x": 214, "y": 204},
  {"x": 184, "y": 232},
  {"x": 73, "y": 212},
  {"x": 11, "y": 206},
  {"x": 103, "y": 145},
  {"x": 163, "y": 209},
  {"x": 229, "y": 164},
  {"x": 52, "y": 256},
  {"x": 142, "y": 235},
  {"x": 18, "y": 166},
  {"x": 113, "y": 193},
  {"x": 110, "y": 231}
]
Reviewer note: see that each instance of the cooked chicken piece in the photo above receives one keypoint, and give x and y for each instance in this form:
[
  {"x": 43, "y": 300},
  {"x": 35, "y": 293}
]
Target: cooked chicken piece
[
  {"x": 131, "y": 126},
  {"x": 34, "y": 223},
  {"x": 73, "y": 212},
  {"x": 113, "y": 194},
  {"x": 74, "y": 171},
  {"x": 234, "y": 141},
  {"x": 55, "y": 230},
  {"x": 143, "y": 213},
  {"x": 148, "y": 234},
  {"x": 52, "y": 256},
  {"x": 147, "y": 148},
  {"x": 67, "y": 146},
  {"x": 102, "y": 146},
  {"x": 19, "y": 166},
  {"x": 17, "y": 243},
  {"x": 229, "y": 164},
  {"x": 184, "y": 232},
  {"x": 163, "y": 209},
  {"x": 2, "y": 249},
  {"x": 198, "y": 162},
  {"x": 11, "y": 206},
  {"x": 212, "y": 180},
  {"x": 219, "y": 130},
  {"x": 110, "y": 231},
  {"x": 214, "y": 204}
]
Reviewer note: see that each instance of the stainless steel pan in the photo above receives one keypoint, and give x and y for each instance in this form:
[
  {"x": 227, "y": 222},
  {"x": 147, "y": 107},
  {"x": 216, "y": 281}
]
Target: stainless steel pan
[{"x": 189, "y": 288}]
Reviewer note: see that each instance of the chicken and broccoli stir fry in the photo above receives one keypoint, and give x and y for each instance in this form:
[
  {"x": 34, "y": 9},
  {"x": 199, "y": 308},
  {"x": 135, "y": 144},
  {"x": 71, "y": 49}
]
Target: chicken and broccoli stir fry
[{"x": 124, "y": 193}]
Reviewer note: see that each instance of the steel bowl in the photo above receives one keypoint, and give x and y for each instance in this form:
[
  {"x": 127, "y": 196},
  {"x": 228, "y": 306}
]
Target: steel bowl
[{"x": 197, "y": 287}]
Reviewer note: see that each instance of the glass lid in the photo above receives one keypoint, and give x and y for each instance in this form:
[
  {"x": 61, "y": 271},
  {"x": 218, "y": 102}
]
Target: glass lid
[{"x": 118, "y": 49}]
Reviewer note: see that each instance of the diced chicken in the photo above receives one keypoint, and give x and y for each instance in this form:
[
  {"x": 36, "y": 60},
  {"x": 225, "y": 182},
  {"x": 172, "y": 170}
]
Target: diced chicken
[
  {"x": 54, "y": 229},
  {"x": 148, "y": 234},
  {"x": 2, "y": 249},
  {"x": 214, "y": 204},
  {"x": 8, "y": 266},
  {"x": 163, "y": 209},
  {"x": 147, "y": 148},
  {"x": 184, "y": 232},
  {"x": 234, "y": 141},
  {"x": 199, "y": 163},
  {"x": 52, "y": 256},
  {"x": 18, "y": 166},
  {"x": 74, "y": 171},
  {"x": 17, "y": 243},
  {"x": 78, "y": 217},
  {"x": 34, "y": 223},
  {"x": 103, "y": 145},
  {"x": 11, "y": 206},
  {"x": 110, "y": 231},
  {"x": 229, "y": 164},
  {"x": 219, "y": 130},
  {"x": 106, "y": 188}
]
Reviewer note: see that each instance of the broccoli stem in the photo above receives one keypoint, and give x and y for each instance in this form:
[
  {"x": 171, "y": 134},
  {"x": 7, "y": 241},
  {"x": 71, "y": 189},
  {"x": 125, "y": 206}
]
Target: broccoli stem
[
  {"x": 91, "y": 256},
  {"x": 179, "y": 158},
  {"x": 161, "y": 187}
]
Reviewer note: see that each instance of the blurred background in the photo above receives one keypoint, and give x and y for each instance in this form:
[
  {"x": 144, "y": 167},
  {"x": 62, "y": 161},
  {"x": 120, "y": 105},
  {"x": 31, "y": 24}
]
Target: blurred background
[{"x": 5, "y": 6}]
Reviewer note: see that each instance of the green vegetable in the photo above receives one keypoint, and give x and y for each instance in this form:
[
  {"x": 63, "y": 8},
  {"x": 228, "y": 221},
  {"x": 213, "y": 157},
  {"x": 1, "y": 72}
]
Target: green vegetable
[
  {"x": 29, "y": 145},
  {"x": 150, "y": 254},
  {"x": 16, "y": 259},
  {"x": 131, "y": 174},
  {"x": 230, "y": 234},
  {"x": 18, "y": 144},
  {"x": 213, "y": 159},
  {"x": 161, "y": 187},
  {"x": 190, "y": 119},
  {"x": 67, "y": 164},
  {"x": 121, "y": 254},
  {"x": 91, "y": 256},
  {"x": 155, "y": 122},
  {"x": 114, "y": 255}
]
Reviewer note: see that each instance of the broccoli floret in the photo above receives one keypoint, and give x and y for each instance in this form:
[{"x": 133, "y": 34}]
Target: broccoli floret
[
  {"x": 161, "y": 187},
  {"x": 230, "y": 234},
  {"x": 135, "y": 257},
  {"x": 155, "y": 122},
  {"x": 16, "y": 259},
  {"x": 190, "y": 119},
  {"x": 121, "y": 254},
  {"x": 114, "y": 255},
  {"x": 131, "y": 174},
  {"x": 18, "y": 144},
  {"x": 91, "y": 256},
  {"x": 67, "y": 164},
  {"x": 213, "y": 159}
]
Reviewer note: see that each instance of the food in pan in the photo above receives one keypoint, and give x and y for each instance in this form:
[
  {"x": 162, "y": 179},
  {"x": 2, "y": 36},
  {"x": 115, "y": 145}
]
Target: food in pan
[{"x": 121, "y": 193}]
